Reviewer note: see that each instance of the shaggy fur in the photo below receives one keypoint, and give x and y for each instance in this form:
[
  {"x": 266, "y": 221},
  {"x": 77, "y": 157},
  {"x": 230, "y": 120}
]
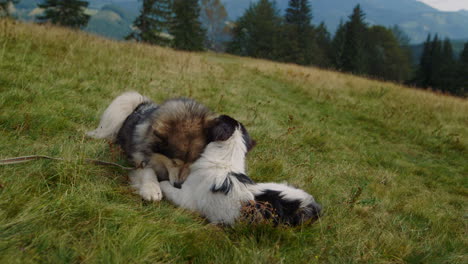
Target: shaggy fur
[
  {"x": 116, "y": 113},
  {"x": 218, "y": 188},
  {"x": 176, "y": 129}
]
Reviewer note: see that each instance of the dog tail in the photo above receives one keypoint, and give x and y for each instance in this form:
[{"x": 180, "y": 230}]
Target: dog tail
[
  {"x": 116, "y": 113},
  {"x": 284, "y": 204}
]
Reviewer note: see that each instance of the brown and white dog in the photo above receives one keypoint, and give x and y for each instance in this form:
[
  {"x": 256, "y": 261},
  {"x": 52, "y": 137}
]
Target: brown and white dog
[{"x": 156, "y": 137}]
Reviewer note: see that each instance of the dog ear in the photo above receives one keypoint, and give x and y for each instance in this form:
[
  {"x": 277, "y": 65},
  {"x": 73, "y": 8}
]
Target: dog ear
[
  {"x": 221, "y": 128},
  {"x": 249, "y": 142},
  {"x": 252, "y": 144}
]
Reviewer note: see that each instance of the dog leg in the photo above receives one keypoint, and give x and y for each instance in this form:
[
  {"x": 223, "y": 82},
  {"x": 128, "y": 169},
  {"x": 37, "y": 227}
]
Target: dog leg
[
  {"x": 165, "y": 168},
  {"x": 177, "y": 196},
  {"x": 171, "y": 193},
  {"x": 145, "y": 183}
]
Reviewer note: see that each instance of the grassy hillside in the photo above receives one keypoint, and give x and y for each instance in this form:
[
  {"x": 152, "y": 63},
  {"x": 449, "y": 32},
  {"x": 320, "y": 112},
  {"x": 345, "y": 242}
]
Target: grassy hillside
[{"x": 388, "y": 163}]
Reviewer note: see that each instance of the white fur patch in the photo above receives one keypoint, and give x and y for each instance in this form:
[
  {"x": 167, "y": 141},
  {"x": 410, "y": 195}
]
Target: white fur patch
[
  {"x": 116, "y": 113},
  {"x": 216, "y": 163},
  {"x": 146, "y": 184},
  {"x": 287, "y": 192}
]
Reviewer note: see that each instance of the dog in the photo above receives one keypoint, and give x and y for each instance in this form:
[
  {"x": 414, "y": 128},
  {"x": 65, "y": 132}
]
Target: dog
[
  {"x": 219, "y": 189},
  {"x": 176, "y": 130}
]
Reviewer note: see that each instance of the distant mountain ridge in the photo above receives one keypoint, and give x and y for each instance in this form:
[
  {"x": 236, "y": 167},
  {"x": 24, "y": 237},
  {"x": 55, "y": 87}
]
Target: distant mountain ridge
[
  {"x": 415, "y": 18},
  {"x": 109, "y": 18}
]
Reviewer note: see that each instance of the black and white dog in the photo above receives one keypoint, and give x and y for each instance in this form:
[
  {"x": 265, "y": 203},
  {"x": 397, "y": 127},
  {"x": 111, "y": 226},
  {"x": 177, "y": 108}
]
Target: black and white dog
[{"x": 218, "y": 188}]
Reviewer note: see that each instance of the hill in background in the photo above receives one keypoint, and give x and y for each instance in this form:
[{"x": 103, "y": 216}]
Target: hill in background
[
  {"x": 113, "y": 18},
  {"x": 415, "y": 18},
  {"x": 113, "y": 21},
  {"x": 109, "y": 18}
]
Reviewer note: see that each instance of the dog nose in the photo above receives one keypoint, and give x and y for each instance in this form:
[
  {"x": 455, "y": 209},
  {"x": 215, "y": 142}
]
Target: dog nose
[{"x": 177, "y": 185}]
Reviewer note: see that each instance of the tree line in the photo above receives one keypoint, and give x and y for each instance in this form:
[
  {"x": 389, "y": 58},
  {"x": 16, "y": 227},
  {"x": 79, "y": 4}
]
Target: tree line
[
  {"x": 440, "y": 69},
  {"x": 356, "y": 47},
  {"x": 262, "y": 32},
  {"x": 173, "y": 23}
]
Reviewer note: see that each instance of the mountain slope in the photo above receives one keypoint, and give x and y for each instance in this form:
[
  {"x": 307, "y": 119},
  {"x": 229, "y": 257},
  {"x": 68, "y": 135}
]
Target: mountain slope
[
  {"x": 112, "y": 21},
  {"x": 415, "y": 18},
  {"x": 109, "y": 18},
  {"x": 387, "y": 162}
]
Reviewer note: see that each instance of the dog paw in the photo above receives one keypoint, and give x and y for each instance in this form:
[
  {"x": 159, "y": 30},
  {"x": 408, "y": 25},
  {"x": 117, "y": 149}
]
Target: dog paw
[{"x": 151, "y": 192}]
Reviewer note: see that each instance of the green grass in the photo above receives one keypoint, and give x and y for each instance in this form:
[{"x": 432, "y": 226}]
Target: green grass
[{"x": 388, "y": 163}]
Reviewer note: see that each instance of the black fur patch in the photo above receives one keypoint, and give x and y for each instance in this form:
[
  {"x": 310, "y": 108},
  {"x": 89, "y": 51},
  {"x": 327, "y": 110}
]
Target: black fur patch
[
  {"x": 222, "y": 129},
  {"x": 249, "y": 142},
  {"x": 125, "y": 136},
  {"x": 242, "y": 178},
  {"x": 224, "y": 188},
  {"x": 285, "y": 211},
  {"x": 227, "y": 184},
  {"x": 162, "y": 147}
]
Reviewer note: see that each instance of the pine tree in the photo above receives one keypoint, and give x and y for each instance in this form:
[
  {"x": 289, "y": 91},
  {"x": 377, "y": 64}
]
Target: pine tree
[
  {"x": 447, "y": 51},
  {"x": 354, "y": 54},
  {"x": 323, "y": 52},
  {"x": 462, "y": 73},
  {"x": 387, "y": 59},
  {"x": 464, "y": 54},
  {"x": 256, "y": 32},
  {"x": 68, "y": 13},
  {"x": 153, "y": 23},
  {"x": 436, "y": 63},
  {"x": 298, "y": 32},
  {"x": 5, "y": 5},
  {"x": 437, "y": 67},
  {"x": 405, "y": 45},
  {"x": 401, "y": 36},
  {"x": 425, "y": 64},
  {"x": 214, "y": 17},
  {"x": 186, "y": 27},
  {"x": 338, "y": 44},
  {"x": 446, "y": 81}
]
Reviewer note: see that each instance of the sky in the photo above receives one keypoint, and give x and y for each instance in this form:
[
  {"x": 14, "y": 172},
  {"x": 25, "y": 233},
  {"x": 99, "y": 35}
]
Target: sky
[{"x": 447, "y": 5}]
